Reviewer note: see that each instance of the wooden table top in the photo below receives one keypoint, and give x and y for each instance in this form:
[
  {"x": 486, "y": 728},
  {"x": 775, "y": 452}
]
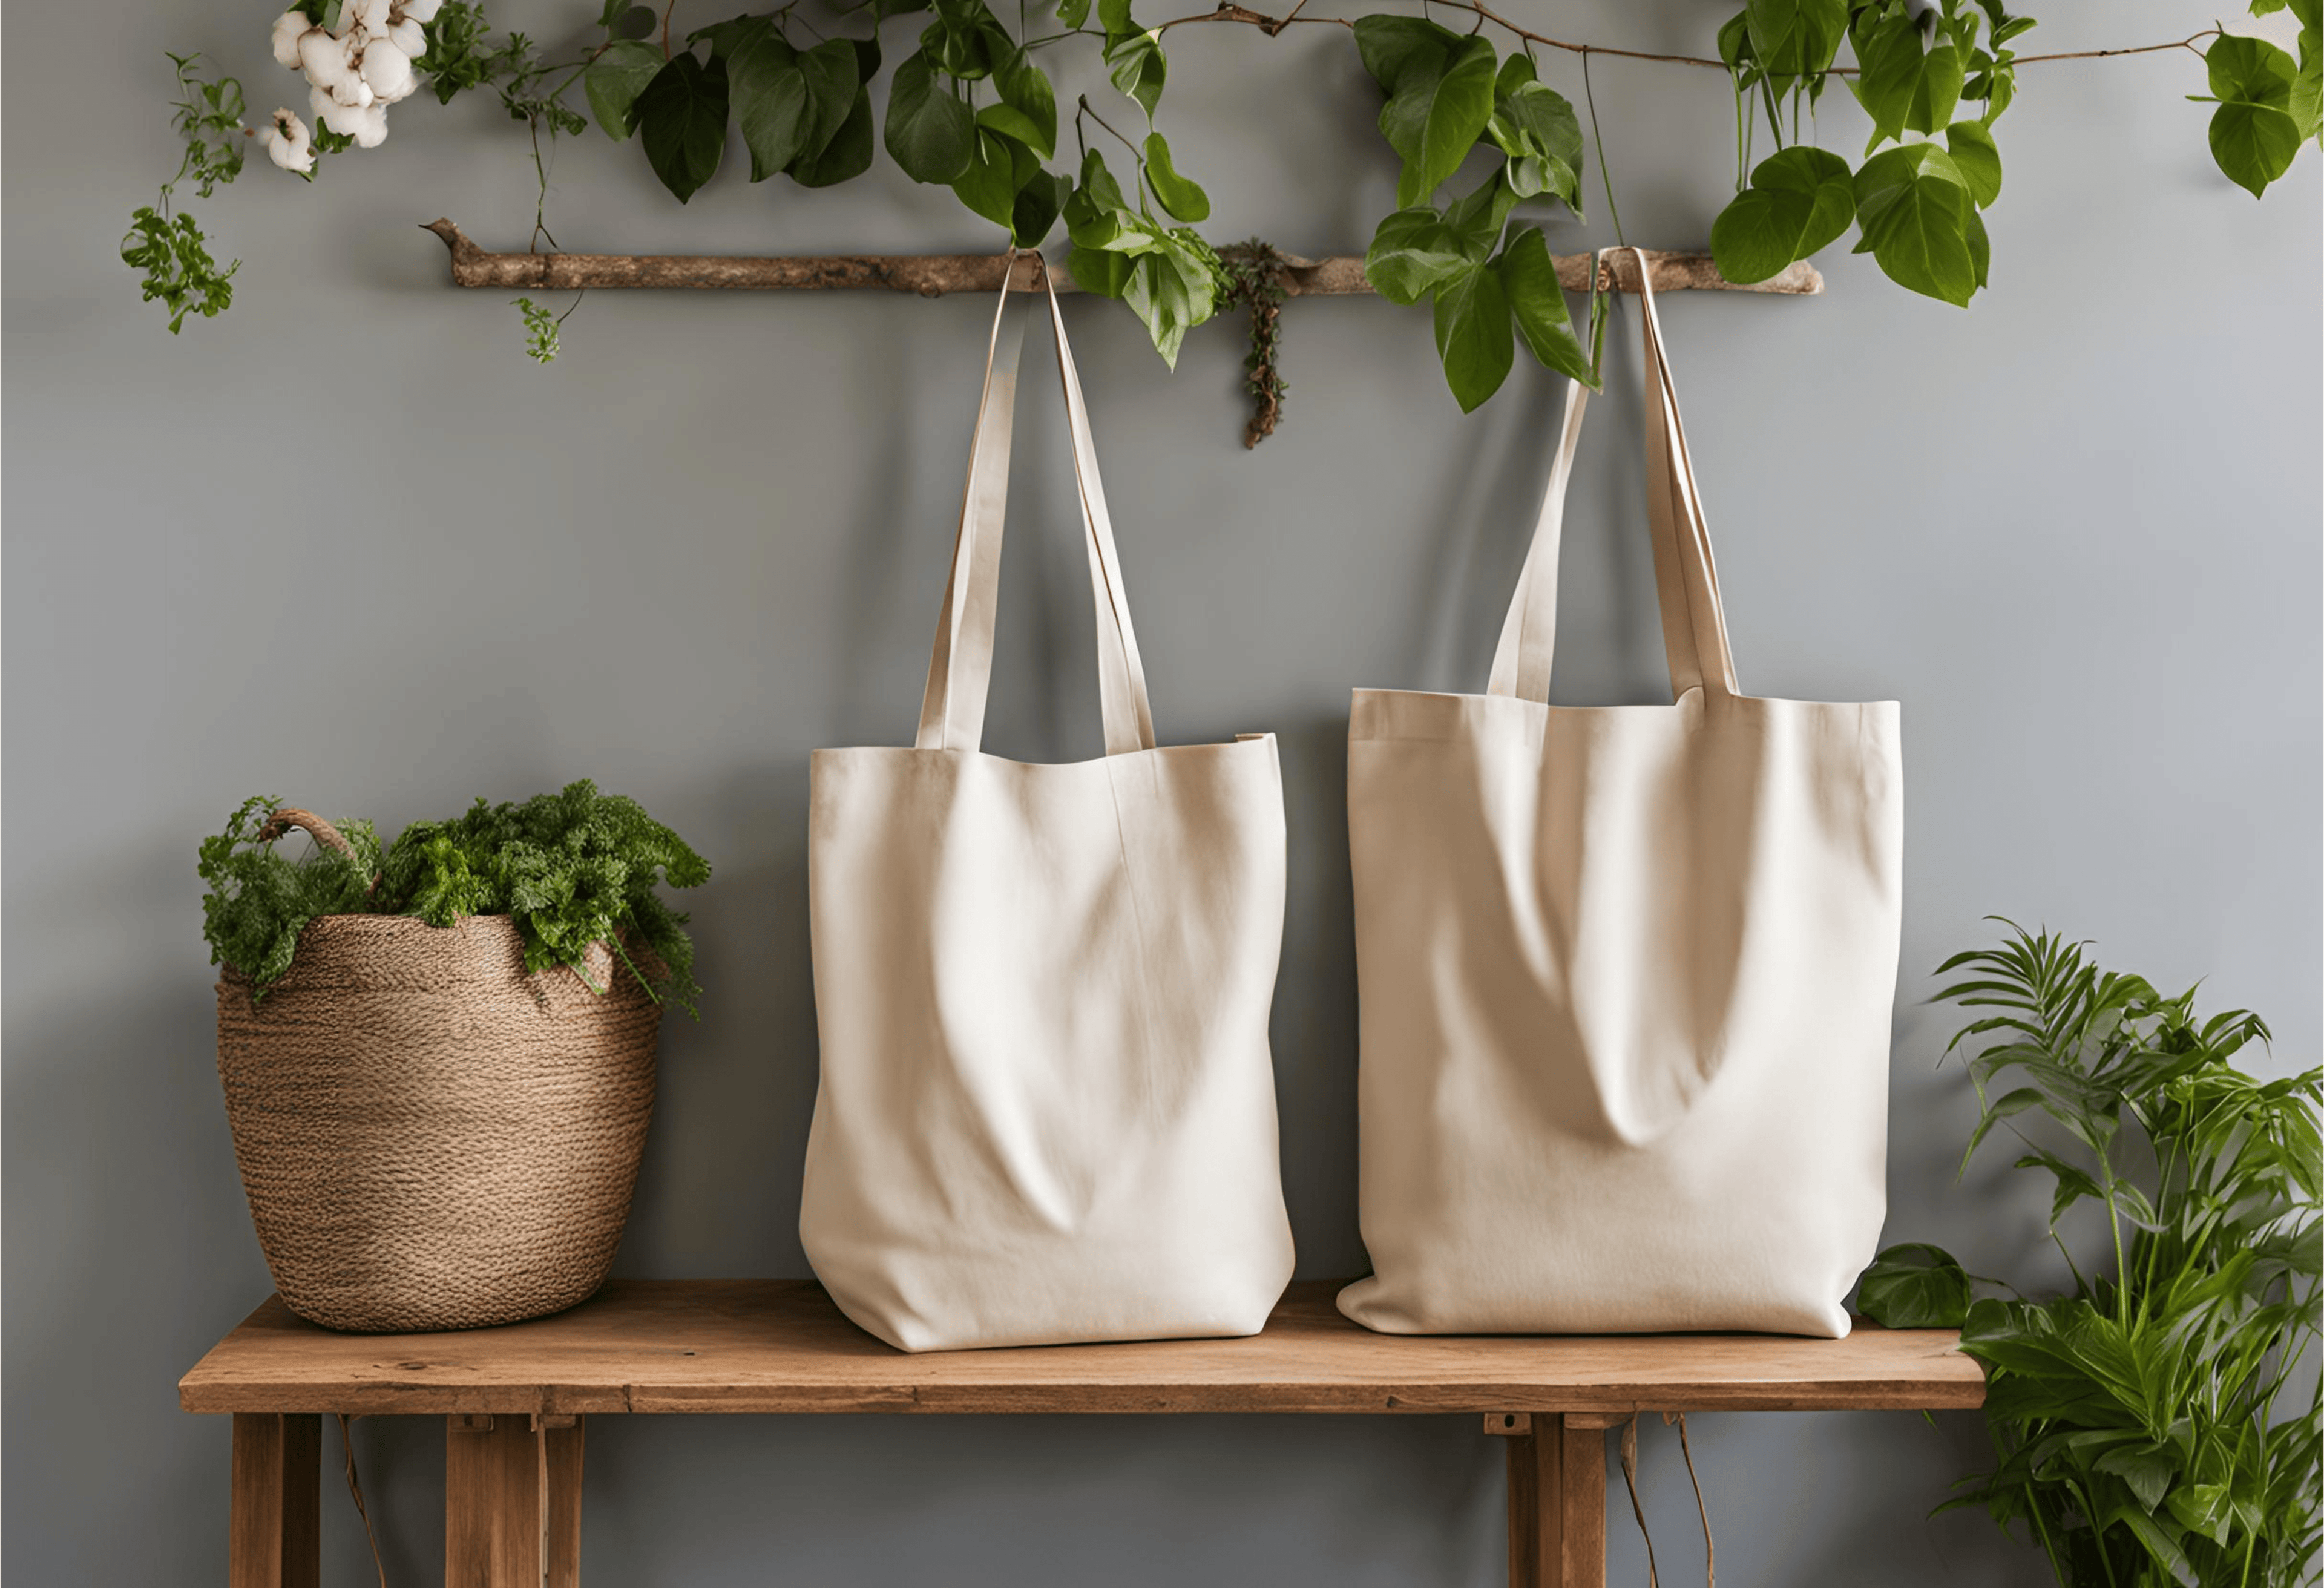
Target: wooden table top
[{"x": 779, "y": 1345}]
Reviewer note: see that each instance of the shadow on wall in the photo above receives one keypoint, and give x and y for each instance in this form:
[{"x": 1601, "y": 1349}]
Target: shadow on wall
[{"x": 719, "y": 1192}]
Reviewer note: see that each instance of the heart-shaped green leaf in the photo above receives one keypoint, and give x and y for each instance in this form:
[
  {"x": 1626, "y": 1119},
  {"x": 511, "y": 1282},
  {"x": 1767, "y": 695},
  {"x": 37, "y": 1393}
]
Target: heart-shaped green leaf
[
  {"x": 1473, "y": 337},
  {"x": 616, "y": 79},
  {"x": 1800, "y": 200},
  {"x": 1433, "y": 126},
  {"x": 1400, "y": 52},
  {"x": 847, "y": 155},
  {"x": 1411, "y": 253},
  {"x": 681, "y": 118},
  {"x": 1793, "y": 39},
  {"x": 1037, "y": 205},
  {"x": 830, "y": 69},
  {"x": 988, "y": 185},
  {"x": 1537, "y": 302},
  {"x": 1026, "y": 89},
  {"x": 2256, "y": 133},
  {"x": 769, "y": 94},
  {"x": 931, "y": 133},
  {"x": 1901, "y": 85},
  {"x": 1912, "y": 205},
  {"x": 1973, "y": 150}
]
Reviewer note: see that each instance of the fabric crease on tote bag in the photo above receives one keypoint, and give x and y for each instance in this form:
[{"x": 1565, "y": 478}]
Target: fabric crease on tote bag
[
  {"x": 1625, "y": 972},
  {"x": 1046, "y": 1111}
]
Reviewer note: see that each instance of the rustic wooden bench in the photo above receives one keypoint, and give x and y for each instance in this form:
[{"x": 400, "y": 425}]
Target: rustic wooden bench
[{"x": 515, "y": 1402}]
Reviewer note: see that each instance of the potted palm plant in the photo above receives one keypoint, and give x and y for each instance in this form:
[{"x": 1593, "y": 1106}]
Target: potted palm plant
[{"x": 2161, "y": 1421}]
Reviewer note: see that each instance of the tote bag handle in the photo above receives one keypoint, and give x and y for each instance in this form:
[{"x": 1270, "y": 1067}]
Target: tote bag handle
[
  {"x": 960, "y": 666},
  {"x": 1686, "y": 578}
]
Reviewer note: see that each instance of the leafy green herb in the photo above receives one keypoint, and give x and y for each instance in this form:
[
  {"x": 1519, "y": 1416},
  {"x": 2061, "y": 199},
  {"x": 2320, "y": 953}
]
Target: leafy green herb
[
  {"x": 572, "y": 869},
  {"x": 259, "y": 898},
  {"x": 2162, "y": 1421},
  {"x": 179, "y": 269}
]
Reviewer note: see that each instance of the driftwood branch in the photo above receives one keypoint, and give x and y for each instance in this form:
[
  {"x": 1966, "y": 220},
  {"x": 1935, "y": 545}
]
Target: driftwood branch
[{"x": 932, "y": 275}]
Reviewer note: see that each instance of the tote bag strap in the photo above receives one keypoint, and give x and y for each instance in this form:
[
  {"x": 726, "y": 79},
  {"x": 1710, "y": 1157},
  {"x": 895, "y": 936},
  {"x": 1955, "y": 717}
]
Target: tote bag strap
[
  {"x": 1529, "y": 630},
  {"x": 1694, "y": 624},
  {"x": 960, "y": 666},
  {"x": 1686, "y": 580}
]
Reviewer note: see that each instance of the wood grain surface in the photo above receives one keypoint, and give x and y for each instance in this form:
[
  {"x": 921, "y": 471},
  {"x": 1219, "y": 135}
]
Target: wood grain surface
[{"x": 779, "y": 1346}]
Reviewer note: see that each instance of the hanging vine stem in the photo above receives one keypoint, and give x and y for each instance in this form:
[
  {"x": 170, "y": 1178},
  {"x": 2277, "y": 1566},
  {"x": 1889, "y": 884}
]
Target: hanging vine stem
[{"x": 1273, "y": 26}]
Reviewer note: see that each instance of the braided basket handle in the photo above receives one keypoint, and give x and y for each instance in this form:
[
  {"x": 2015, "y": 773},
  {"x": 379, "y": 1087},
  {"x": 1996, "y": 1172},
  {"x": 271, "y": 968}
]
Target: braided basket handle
[{"x": 283, "y": 818}]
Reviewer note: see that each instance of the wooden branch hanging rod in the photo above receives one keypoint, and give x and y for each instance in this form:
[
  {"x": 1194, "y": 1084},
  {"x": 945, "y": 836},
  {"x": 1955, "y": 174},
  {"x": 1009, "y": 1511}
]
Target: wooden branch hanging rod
[{"x": 932, "y": 275}]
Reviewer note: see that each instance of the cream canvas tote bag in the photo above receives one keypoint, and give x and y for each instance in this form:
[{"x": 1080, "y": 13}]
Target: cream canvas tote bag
[
  {"x": 1625, "y": 973},
  {"x": 1047, "y": 1104}
]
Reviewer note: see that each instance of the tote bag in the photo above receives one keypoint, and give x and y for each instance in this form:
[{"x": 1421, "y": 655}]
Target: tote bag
[
  {"x": 1047, "y": 1104},
  {"x": 1625, "y": 974}
]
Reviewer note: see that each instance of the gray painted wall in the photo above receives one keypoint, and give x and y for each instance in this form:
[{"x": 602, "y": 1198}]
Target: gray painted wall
[{"x": 346, "y": 545}]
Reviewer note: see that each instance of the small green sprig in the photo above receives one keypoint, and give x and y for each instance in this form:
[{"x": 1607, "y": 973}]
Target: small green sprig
[{"x": 169, "y": 248}]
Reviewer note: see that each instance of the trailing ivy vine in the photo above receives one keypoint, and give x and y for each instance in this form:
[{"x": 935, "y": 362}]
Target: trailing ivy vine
[{"x": 969, "y": 108}]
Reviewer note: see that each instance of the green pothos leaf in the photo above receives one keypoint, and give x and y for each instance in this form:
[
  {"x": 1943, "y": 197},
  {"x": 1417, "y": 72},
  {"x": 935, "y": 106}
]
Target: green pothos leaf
[
  {"x": 1912, "y": 205},
  {"x": 1440, "y": 88},
  {"x": 681, "y": 117},
  {"x": 1538, "y": 303},
  {"x": 1136, "y": 65},
  {"x": 1411, "y": 253},
  {"x": 616, "y": 79},
  {"x": 847, "y": 155},
  {"x": 1473, "y": 336},
  {"x": 1800, "y": 200},
  {"x": 931, "y": 131},
  {"x": 2254, "y": 132}
]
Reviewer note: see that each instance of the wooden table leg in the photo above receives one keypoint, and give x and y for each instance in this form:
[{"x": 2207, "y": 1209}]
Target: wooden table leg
[
  {"x": 513, "y": 1501},
  {"x": 273, "y": 1531},
  {"x": 1557, "y": 1499}
]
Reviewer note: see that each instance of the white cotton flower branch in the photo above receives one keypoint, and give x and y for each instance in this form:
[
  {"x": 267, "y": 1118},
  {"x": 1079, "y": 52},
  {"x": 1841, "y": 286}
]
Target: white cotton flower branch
[{"x": 354, "y": 72}]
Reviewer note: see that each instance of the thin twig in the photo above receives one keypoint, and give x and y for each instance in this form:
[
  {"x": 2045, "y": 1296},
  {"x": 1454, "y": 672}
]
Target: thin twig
[{"x": 1085, "y": 109}]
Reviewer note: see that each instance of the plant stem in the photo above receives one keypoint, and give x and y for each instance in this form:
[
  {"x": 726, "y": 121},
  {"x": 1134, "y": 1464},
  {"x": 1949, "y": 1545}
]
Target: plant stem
[{"x": 1604, "y": 179}]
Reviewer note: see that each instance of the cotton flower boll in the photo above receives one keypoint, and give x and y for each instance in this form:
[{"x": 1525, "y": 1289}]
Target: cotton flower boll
[
  {"x": 406, "y": 37},
  {"x": 369, "y": 16},
  {"x": 365, "y": 124},
  {"x": 289, "y": 28},
  {"x": 288, "y": 144},
  {"x": 387, "y": 71},
  {"x": 326, "y": 61}
]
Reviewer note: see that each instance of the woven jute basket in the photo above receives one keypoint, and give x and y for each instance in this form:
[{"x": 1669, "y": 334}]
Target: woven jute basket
[{"x": 431, "y": 1136}]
